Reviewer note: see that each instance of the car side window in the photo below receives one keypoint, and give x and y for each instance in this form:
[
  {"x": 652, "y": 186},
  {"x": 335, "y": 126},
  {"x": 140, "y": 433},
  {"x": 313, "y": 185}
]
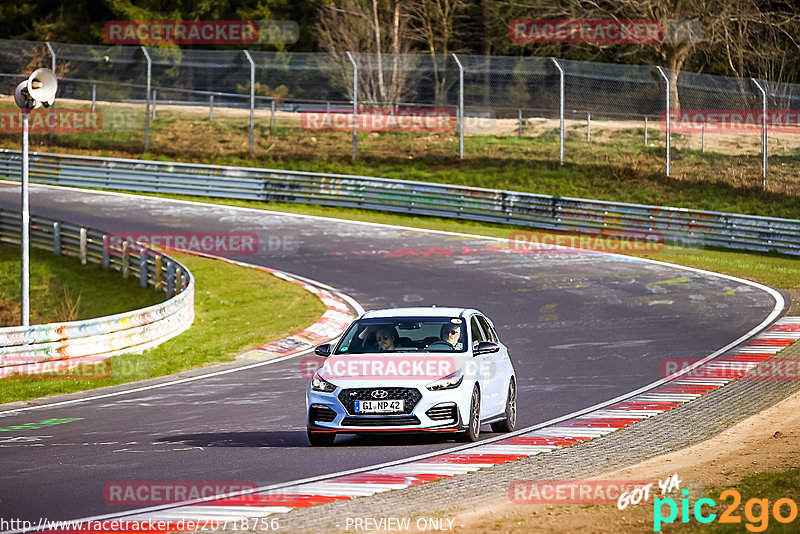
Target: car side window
[
  {"x": 477, "y": 334},
  {"x": 487, "y": 328}
]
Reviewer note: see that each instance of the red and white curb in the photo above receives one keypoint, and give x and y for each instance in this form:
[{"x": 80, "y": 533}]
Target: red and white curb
[{"x": 664, "y": 396}]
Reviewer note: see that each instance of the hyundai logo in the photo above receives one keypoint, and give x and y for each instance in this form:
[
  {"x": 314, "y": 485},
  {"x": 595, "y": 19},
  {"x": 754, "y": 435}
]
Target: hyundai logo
[{"x": 380, "y": 394}]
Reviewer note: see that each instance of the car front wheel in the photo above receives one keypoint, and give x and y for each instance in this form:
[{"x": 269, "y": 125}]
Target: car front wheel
[{"x": 473, "y": 431}]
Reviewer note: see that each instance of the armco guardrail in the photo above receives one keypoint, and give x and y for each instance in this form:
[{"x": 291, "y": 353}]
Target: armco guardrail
[
  {"x": 685, "y": 226},
  {"x": 29, "y": 350}
]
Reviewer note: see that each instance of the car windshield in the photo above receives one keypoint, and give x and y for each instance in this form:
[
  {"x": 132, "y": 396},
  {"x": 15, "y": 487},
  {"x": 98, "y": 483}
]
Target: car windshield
[{"x": 404, "y": 334}]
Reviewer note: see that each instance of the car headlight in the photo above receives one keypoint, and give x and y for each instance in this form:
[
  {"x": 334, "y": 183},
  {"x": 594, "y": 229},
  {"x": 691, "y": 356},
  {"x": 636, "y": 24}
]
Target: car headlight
[
  {"x": 320, "y": 384},
  {"x": 449, "y": 382}
]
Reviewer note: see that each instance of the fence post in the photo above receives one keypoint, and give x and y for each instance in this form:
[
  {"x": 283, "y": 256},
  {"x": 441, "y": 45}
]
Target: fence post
[
  {"x": 154, "y": 104},
  {"x": 94, "y": 95},
  {"x": 668, "y": 116},
  {"x": 252, "y": 101},
  {"x": 82, "y": 246},
  {"x": 460, "y": 107},
  {"x": 355, "y": 104},
  {"x": 106, "y": 251},
  {"x": 57, "y": 238},
  {"x": 158, "y": 277},
  {"x": 147, "y": 101},
  {"x": 126, "y": 259},
  {"x": 272, "y": 116},
  {"x": 519, "y": 114},
  {"x": 588, "y": 126},
  {"x": 703, "y": 138},
  {"x": 560, "y": 109},
  {"x": 763, "y": 133},
  {"x": 645, "y": 130},
  {"x": 52, "y": 108}
]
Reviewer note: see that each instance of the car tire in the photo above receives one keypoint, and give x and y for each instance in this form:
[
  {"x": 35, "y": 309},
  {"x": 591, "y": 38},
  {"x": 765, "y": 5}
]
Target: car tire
[
  {"x": 321, "y": 439},
  {"x": 473, "y": 431},
  {"x": 510, "y": 422}
]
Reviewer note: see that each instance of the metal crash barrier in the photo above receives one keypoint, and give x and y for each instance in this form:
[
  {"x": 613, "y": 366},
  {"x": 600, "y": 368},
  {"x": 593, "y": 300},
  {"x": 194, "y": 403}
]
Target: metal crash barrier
[
  {"x": 676, "y": 225},
  {"x": 42, "y": 348}
]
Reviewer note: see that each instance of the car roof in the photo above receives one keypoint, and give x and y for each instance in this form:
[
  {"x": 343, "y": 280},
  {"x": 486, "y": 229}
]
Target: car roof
[{"x": 427, "y": 311}]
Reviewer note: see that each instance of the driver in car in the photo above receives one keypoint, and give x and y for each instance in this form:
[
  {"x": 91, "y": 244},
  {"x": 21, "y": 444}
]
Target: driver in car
[
  {"x": 387, "y": 338},
  {"x": 451, "y": 334}
]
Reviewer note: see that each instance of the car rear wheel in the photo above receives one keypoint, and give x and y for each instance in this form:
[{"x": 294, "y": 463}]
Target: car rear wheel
[
  {"x": 321, "y": 439},
  {"x": 510, "y": 422},
  {"x": 473, "y": 431}
]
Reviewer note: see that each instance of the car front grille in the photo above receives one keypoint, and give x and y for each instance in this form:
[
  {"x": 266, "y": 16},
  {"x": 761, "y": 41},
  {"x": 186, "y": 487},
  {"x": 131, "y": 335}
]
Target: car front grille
[
  {"x": 321, "y": 413},
  {"x": 443, "y": 412},
  {"x": 410, "y": 396},
  {"x": 380, "y": 421}
]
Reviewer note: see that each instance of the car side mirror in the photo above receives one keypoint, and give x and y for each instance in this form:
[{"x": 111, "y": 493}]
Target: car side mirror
[
  {"x": 486, "y": 347},
  {"x": 323, "y": 350}
]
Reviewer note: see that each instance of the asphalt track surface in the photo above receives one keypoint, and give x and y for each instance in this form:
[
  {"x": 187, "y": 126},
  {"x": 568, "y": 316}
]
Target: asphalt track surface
[{"x": 581, "y": 328}]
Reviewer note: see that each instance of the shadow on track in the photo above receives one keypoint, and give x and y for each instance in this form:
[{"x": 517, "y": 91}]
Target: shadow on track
[{"x": 289, "y": 439}]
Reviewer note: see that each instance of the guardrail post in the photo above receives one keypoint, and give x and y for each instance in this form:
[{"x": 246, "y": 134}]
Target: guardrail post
[
  {"x": 763, "y": 133},
  {"x": 158, "y": 280},
  {"x": 252, "y": 102},
  {"x": 178, "y": 279},
  {"x": 143, "y": 267},
  {"x": 460, "y": 107},
  {"x": 126, "y": 259},
  {"x": 57, "y": 238},
  {"x": 82, "y": 244},
  {"x": 560, "y": 109},
  {"x": 355, "y": 104},
  {"x": 170, "y": 277},
  {"x": 210, "y": 108},
  {"x": 147, "y": 101},
  {"x": 106, "y": 251},
  {"x": 668, "y": 116},
  {"x": 272, "y": 116}
]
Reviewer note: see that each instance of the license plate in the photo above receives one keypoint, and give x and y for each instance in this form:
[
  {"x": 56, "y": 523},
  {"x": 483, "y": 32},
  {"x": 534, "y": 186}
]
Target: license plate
[{"x": 381, "y": 406}]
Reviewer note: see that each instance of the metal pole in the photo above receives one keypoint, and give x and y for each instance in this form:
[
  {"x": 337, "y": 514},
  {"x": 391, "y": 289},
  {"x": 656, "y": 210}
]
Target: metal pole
[
  {"x": 94, "y": 95},
  {"x": 252, "y": 101},
  {"x": 645, "y": 130},
  {"x": 763, "y": 134},
  {"x": 272, "y": 116},
  {"x": 154, "y": 104},
  {"x": 460, "y": 107},
  {"x": 210, "y": 108},
  {"x": 519, "y": 134},
  {"x": 52, "y": 108},
  {"x": 588, "y": 127},
  {"x": 668, "y": 117},
  {"x": 147, "y": 103},
  {"x": 355, "y": 104},
  {"x": 560, "y": 109},
  {"x": 703, "y": 138},
  {"x": 25, "y": 228}
]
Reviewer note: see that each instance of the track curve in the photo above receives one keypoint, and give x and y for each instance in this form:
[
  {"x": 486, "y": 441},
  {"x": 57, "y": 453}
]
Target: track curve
[{"x": 582, "y": 328}]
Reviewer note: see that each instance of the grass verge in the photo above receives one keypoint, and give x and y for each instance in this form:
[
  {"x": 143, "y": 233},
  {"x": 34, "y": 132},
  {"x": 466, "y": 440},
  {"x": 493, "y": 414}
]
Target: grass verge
[
  {"x": 61, "y": 289},
  {"x": 236, "y": 308}
]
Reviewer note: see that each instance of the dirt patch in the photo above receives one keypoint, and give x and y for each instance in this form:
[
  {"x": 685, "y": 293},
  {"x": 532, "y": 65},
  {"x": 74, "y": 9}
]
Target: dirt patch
[{"x": 768, "y": 441}]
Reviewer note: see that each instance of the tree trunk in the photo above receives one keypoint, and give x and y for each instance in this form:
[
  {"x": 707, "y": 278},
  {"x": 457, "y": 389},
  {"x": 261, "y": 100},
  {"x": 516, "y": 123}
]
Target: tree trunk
[{"x": 381, "y": 91}]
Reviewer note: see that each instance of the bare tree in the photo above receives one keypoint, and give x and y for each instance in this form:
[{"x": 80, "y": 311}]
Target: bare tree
[{"x": 374, "y": 28}]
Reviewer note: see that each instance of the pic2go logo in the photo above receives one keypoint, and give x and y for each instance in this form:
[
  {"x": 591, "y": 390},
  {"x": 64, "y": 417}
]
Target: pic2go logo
[{"x": 756, "y": 511}]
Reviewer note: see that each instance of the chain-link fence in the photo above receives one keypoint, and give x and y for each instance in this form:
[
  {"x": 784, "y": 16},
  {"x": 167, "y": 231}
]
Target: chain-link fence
[{"x": 404, "y": 106}]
